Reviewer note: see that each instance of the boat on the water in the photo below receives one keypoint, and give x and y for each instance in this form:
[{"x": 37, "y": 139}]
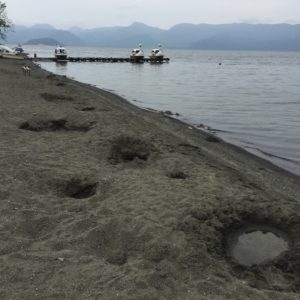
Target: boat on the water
[
  {"x": 60, "y": 53},
  {"x": 156, "y": 55},
  {"x": 137, "y": 55}
]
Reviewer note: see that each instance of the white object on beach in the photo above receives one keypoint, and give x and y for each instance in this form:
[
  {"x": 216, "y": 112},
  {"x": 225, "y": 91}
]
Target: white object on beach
[
  {"x": 26, "y": 70},
  {"x": 7, "y": 52},
  {"x": 61, "y": 259}
]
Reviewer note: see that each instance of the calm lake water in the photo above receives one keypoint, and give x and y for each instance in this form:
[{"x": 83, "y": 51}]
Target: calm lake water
[{"x": 252, "y": 99}]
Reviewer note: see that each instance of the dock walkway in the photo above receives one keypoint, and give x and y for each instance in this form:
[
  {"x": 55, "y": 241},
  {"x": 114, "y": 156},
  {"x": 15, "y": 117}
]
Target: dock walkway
[{"x": 98, "y": 59}]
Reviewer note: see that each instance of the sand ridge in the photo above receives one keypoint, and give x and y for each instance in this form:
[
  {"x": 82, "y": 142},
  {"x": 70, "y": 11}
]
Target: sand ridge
[{"x": 100, "y": 199}]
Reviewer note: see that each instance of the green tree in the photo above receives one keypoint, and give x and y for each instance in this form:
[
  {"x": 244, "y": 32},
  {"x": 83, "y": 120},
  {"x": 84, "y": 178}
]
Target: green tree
[{"x": 5, "y": 23}]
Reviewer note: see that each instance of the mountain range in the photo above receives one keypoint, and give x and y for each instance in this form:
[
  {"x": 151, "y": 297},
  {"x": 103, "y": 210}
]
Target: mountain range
[{"x": 239, "y": 36}]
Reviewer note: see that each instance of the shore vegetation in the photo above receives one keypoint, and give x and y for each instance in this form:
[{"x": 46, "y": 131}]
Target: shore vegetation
[{"x": 5, "y": 23}]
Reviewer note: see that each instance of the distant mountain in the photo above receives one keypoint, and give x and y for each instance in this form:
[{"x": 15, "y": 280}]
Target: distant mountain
[
  {"x": 43, "y": 26},
  {"x": 186, "y": 35},
  {"x": 123, "y": 37},
  {"x": 283, "y": 37},
  {"x": 278, "y": 37},
  {"x": 234, "y": 37},
  {"x": 23, "y": 34},
  {"x": 43, "y": 41}
]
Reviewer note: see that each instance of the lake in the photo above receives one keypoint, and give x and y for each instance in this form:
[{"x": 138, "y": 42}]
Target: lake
[{"x": 251, "y": 99}]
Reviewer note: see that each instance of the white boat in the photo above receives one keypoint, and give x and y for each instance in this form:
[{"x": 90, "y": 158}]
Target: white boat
[
  {"x": 60, "y": 54},
  {"x": 137, "y": 55},
  {"x": 157, "y": 55},
  {"x": 6, "y": 52}
]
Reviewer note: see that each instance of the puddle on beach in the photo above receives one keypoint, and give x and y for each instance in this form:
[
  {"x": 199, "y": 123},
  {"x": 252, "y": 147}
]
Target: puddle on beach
[{"x": 256, "y": 245}]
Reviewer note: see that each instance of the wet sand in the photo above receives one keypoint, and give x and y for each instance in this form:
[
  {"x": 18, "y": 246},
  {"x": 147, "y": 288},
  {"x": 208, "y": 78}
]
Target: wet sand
[{"x": 100, "y": 199}]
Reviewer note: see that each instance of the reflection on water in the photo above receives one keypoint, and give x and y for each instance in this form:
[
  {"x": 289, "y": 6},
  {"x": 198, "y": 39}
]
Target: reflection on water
[
  {"x": 252, "y": 97},
  {"x": 61, "y": 66},
  {"x": 256, "y": 247}
]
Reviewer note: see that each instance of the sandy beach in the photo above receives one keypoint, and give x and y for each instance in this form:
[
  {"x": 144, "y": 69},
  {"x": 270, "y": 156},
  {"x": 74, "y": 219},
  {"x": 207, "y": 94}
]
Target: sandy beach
[{"x": 100, "y": 199}]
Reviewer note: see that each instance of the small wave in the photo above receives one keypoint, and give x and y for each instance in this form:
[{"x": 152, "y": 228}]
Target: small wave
[
  {"x": 220, "y": 130},
  {"x": 283, "y": 103},
  {"x": 272, "y": 155},
  {"x": 208, "y": 128}
]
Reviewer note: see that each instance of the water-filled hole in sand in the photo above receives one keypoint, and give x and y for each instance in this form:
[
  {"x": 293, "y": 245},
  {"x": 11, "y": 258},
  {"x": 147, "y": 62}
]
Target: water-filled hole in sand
[{"x": 256, "y": 245}]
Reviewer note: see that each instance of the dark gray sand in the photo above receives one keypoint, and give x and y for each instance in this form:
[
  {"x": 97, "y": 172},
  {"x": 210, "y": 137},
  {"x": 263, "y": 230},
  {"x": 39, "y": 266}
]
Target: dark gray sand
[{"x": 102, "y": 200}]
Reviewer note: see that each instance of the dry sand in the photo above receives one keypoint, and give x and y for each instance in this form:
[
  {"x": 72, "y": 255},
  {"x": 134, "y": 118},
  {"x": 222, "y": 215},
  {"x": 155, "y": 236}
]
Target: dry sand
[{"x": 102, "y": 200}]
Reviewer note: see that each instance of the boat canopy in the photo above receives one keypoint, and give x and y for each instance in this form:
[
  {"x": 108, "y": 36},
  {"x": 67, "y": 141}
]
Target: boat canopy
[
  {"x": 155, "y": 51},
  {"x": 60, "y": 50},
  {"x": 136, "y": 50}
]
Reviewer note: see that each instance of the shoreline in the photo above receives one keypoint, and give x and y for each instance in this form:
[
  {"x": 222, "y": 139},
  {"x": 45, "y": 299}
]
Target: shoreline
[
  {"x": 205, "y": 129},
  {"x": 235, "y": 138},
  {"x": 103, "y": 199}
]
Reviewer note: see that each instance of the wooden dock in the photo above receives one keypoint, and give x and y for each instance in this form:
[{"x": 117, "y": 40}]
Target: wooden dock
[{"x": 98, "y": 59}]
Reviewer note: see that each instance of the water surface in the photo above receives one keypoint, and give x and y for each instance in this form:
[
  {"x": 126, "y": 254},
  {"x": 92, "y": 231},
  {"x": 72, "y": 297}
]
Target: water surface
[
  {"x": 252, "y": 99},
  {"x": 256, "y": 246}
]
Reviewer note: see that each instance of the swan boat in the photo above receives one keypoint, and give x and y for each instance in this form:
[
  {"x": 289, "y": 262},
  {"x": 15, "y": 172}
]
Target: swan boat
[
  {"x": 156, "y": 55},
  {"x": 137, "y": 55},
  {"x": 60, "y": 53}
]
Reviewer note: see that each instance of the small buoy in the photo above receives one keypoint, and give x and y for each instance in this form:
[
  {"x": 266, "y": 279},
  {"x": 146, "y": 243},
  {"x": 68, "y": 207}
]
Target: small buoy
[{"x": 220, "y": 64}]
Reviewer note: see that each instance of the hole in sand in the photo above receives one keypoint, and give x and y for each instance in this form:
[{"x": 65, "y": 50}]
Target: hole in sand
[
  {"x": 254, "y": 245},
  {"x": 176, "y": 174},
  {"x": 79, "y": 190},
  {"x": 56, "y": 98},
  {"x": 212, "y": 139},
  {"x": 44, "y": 125},
  {"x": 128, "y": 148},
  {"x": 88, "y": 108}
]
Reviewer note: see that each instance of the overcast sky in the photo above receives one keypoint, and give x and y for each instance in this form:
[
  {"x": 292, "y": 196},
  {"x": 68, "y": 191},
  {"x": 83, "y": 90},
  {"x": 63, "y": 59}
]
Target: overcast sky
[{"x": 160, "y": 13}]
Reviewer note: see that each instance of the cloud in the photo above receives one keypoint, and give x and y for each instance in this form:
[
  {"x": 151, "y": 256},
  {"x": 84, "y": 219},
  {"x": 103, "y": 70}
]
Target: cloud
[{"x": 161, "y": 13}]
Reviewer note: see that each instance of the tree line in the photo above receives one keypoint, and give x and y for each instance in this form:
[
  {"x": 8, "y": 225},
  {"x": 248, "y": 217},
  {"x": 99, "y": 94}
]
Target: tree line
[{"x": 5, "y": 23}]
